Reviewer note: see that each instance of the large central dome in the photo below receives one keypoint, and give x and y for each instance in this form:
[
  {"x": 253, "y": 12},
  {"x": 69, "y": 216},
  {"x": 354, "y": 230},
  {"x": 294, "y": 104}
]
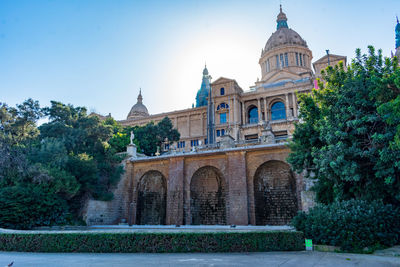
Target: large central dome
[
  {"x": 286, "y": 55},
  {"x": 284, "y": 36}
]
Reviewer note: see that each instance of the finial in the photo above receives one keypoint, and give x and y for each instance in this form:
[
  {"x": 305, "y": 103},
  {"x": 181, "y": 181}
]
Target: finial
[
  {"x": 140, "y": 98},
  {"x": 280, "y": 7}
]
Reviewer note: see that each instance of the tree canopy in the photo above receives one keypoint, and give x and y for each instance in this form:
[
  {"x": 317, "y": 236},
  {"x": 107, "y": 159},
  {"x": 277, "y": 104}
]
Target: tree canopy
[
  {"x": 349, "y": 135},
  {"x": 47, "y": 173}
]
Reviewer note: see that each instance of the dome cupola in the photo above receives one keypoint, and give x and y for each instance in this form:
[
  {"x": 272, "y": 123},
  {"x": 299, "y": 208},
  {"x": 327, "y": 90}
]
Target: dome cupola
[
  {"x": 138, "y": 110},
  {"x": 286, "y": 55}
]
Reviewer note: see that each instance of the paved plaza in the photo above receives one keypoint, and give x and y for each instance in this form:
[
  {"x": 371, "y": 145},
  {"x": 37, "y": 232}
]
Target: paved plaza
[{"x": 302, "y": 258}]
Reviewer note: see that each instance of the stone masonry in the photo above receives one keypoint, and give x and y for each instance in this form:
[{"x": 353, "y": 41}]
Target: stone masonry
[{"x": 243, "y": 185}]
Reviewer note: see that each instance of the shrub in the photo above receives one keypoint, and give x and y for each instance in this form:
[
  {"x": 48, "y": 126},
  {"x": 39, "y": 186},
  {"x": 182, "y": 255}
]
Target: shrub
[
  {"x": 28, "y": 205},
  {"x": 353, "y": 225},
  {"x": 154, "y": 242}
]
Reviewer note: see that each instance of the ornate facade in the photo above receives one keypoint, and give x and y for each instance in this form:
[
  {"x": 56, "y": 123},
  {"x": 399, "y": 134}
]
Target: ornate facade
[
  {"x": 224, "y": 108},
  {"x": 236, "y": 170}
]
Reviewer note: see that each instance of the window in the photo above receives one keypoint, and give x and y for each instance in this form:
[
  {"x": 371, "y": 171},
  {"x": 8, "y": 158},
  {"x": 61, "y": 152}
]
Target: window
[
  {"x": 282, "y": 62},
  {"x": 253, "y": 115},
  {"x": 166, "y": 146},
  {"x": 297, "y": 59},
  {"x": 222, "y": 105},
  {"x": 222, "y": 90},
  {"x": 301, "y": 60},
  {"x": 286, "y": 60},
  {"x": 268, "y": 67},
  {"x": 206, "y": 141},
  {"x": 277, "y": 61},
  {"x": 221, "y": 132},
  {"x": 194, "y": 143},
  {"x": 222, "y": 118},
  {"x": 278, "y": 111},
  {"x": 181, "y": 144}
]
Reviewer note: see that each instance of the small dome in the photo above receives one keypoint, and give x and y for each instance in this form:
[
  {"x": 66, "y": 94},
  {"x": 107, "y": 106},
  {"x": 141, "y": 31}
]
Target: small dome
[
  {"x": 138, "y": 110},
  {"x": 284, "y": 36}
]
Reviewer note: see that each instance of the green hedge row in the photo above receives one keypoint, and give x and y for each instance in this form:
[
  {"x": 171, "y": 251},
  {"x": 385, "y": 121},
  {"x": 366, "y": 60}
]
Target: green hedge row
[{"x": 154, "y": 242}]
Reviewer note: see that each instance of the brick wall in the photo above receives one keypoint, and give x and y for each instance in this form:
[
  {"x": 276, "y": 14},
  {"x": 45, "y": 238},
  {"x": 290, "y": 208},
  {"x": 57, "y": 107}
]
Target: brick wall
[
  {"x": 207, "y": 197},
  {"x": 247, "y": 186}
]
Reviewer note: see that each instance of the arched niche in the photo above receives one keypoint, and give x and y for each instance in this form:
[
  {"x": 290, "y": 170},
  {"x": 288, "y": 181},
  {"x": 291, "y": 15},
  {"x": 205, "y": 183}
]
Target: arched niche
[
  {"x": 274, "y": 194},
  {"x": 152, "y": 199},
  {"x": 207, "y": 197}
]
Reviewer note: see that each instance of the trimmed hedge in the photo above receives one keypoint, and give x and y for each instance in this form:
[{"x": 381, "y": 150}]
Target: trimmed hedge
[
  {"x": 154, "y": 242},
  {"x": 354, "y": 225}
]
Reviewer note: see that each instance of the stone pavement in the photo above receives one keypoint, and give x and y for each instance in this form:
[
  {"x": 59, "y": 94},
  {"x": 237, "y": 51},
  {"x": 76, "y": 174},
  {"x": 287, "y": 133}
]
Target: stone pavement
[{"x": 302, "y": 258}]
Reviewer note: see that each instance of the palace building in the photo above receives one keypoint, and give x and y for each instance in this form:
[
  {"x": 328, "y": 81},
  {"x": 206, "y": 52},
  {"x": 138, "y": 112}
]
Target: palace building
[
  {"x": 229, "y": 166},
  {"x": 224, "y": 108}
]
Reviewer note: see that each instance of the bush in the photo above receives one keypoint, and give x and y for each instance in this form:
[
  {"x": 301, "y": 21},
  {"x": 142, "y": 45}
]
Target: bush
[
  {"x": 353, "y": 225},
  {"x": 28, "y": 205},
  {"x": 154, "y": 242}
]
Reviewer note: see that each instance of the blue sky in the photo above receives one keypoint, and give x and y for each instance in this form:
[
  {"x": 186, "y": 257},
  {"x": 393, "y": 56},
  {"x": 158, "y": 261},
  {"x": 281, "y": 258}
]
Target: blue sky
[{"x": 98, "y": 53}]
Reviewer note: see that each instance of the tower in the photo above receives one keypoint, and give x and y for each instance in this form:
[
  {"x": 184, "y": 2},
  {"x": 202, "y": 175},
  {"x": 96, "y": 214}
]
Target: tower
[
  {"x": 202, "y": 94},
  {"x": 397, "y": 31},
  {"x": 210, "y": 107}
]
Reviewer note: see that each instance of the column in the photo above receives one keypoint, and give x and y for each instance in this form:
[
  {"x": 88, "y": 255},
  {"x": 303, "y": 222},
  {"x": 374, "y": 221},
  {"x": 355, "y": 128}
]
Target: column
[
  {"x": 234, "y": 109},
  {"x": 259, "y": 109},
  {"x": 202, "y": 123},
  {"x": 265, "y": 109},
  {"x": 188, "y": 125},
  {"x": 287, "y": 106},
  {"x": 243, "y": 114},
  {"x": 294, "y": 101}
]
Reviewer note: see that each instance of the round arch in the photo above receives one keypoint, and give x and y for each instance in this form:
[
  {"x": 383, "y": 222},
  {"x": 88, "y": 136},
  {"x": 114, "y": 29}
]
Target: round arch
[
  {"x": 277, "y": 109},
  {"x": 274, "y": 193},
  {"x": 151, "y": 199},
  {"x": 252, "y": 114},
  {"x": 208, "y": 197}
]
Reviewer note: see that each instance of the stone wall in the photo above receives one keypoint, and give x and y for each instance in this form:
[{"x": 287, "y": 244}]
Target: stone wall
[{"x": 249, "y": 185}]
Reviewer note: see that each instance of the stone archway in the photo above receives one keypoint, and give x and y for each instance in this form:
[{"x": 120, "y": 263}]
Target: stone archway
[
  {"x": 274, "y": 194},
  {"x": 152, "y": 199},
  {"x": 208, "y": 197}
]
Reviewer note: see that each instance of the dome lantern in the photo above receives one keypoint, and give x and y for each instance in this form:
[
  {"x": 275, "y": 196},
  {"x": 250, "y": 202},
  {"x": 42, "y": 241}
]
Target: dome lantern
[{"x": 281, "y": 20}]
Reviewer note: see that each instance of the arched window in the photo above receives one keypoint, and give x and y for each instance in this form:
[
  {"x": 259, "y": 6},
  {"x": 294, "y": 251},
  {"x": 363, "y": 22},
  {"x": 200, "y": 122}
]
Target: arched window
[
  {"x": 222, "y": 91},
  {"x": 278, "y": 111},
  {"x": 222, "y": 106},
  {"x": 253, "y": 115}
]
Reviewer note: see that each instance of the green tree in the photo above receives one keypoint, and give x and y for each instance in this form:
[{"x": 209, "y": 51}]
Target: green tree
[
  {"x": 152, "y": 135},
  {"x": 349, "y": 133}
]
